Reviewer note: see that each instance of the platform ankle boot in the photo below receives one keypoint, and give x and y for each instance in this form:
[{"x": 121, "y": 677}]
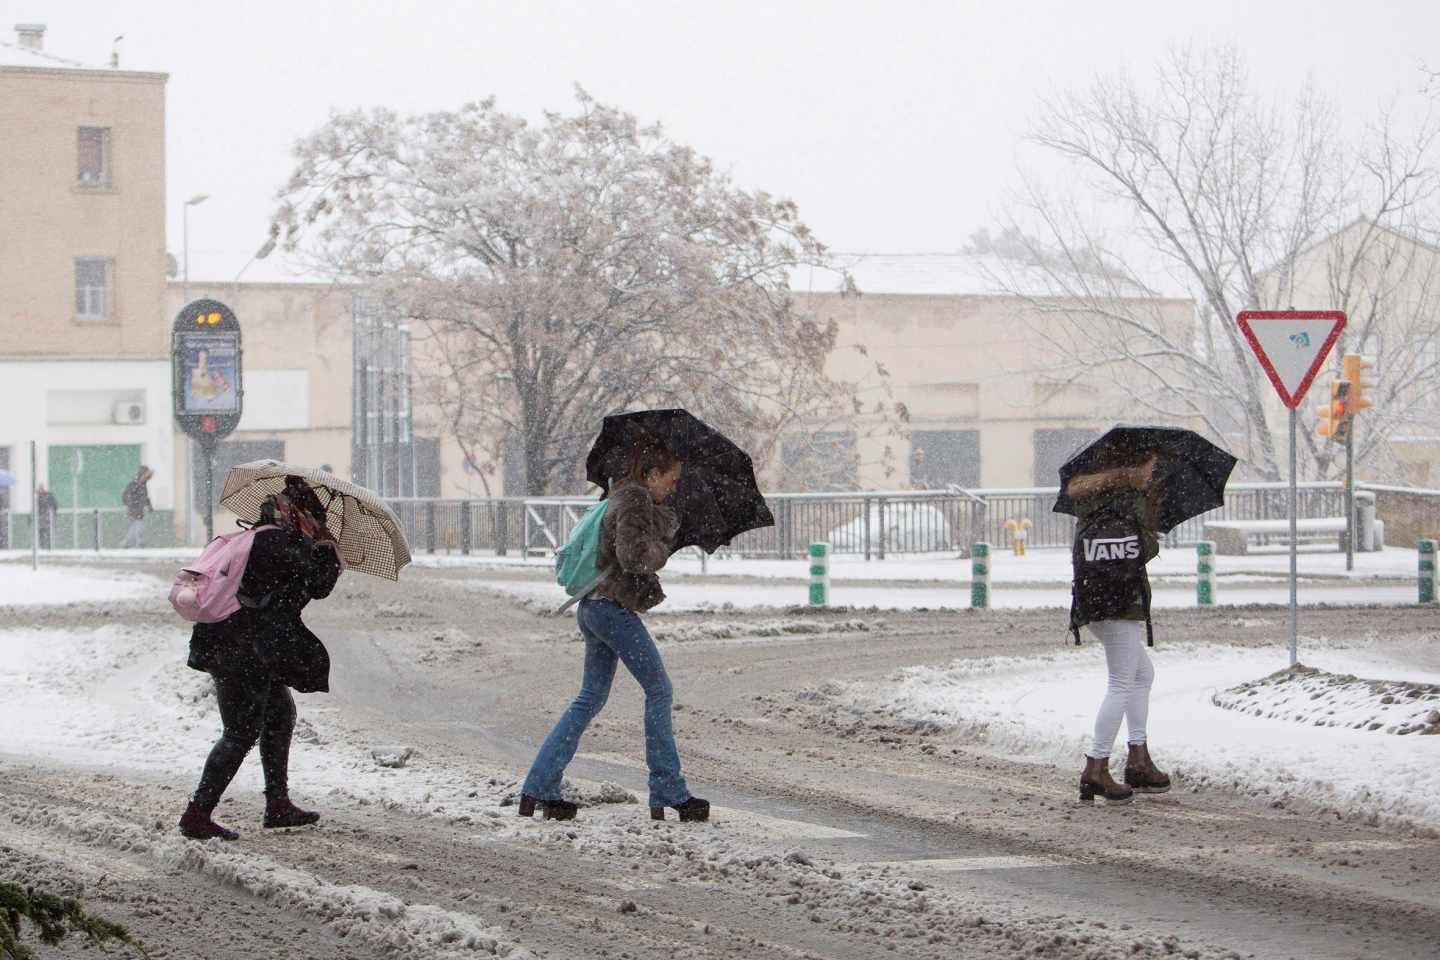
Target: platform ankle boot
[
  {"x": 1096, "y": 779},
  {"x": 1141, "y": 772}
]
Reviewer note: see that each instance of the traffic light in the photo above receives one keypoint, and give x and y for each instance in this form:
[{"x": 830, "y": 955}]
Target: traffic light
[
  {"x": 1335, "y": 415},
  {"x": 1353, "y": 367}
]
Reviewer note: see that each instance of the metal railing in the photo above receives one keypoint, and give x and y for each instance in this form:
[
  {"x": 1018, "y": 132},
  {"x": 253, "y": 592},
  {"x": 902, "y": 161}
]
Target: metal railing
[
  {"x": 870, "y": 524},
  {"x": 85, "y": 528}
]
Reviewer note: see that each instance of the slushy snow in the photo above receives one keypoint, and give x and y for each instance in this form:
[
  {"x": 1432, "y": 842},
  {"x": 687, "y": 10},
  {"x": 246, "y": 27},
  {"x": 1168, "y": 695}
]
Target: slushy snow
[{"x": 1043, "y": 709}]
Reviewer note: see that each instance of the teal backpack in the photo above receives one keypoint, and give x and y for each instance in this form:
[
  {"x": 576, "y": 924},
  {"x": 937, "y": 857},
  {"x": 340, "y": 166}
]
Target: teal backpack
[{"x": 575, "y": 567}]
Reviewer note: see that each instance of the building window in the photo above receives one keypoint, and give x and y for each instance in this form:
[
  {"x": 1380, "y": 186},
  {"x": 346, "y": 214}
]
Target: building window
[
  {"x": 942, "y": 458},
  {"x": 1053, "y": 447},
  {"x": 92, "y": 288},
  {"x": 384, "y": 455},
  {"x": 95, "y": 156}
]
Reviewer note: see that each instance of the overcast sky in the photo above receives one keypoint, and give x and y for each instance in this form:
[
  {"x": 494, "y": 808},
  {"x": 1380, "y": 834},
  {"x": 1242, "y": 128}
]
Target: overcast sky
[{"x": 894, "y": 125}]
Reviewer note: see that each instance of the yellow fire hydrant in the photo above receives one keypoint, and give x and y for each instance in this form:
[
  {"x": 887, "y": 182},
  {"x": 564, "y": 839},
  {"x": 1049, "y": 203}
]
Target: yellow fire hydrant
[{"x": 1019, "y": 530}]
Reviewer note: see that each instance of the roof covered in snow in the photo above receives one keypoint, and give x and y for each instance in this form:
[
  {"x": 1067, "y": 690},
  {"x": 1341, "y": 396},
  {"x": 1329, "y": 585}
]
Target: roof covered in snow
[
  {"x": 14, "y": 55},
  {"x": 940, "y": 274}
]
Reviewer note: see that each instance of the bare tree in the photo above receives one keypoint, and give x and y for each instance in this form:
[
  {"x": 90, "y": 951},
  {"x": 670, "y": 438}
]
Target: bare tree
[
  {"x": 559, "y": 272},
  {"x": 1235, "y": 202}
]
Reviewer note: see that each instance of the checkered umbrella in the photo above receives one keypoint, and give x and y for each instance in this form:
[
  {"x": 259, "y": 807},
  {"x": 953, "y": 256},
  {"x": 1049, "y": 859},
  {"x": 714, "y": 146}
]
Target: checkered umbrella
[{"x": 367, "y": 530}]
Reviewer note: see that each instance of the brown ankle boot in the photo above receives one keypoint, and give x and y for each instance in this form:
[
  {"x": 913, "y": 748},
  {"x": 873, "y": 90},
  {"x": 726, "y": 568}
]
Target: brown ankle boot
[
  {"x": 1141, "y": 772},
  {"x": 1097, "y": 779},
  {"x": 197, "y": 825}
]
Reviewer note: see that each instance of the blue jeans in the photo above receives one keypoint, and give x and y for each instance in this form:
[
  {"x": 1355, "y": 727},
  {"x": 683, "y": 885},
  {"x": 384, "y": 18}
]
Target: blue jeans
[{"x": 613, "y": 633}]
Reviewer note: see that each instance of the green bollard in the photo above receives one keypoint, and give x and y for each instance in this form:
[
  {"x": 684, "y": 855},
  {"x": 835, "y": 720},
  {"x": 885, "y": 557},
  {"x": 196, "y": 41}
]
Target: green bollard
[
  {"x": 1427, "y": 571},
  {"x": 819, "y": 574},
  {"x": 1205, "y": 573},
  {"x": 980, "y": 576}
]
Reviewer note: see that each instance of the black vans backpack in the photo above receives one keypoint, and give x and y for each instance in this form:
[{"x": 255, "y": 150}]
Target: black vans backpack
[{"x": 1108, "y": 558}]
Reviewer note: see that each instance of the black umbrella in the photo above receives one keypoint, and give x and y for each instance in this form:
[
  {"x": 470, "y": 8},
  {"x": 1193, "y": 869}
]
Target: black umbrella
[
  {"x": 717, "y": 498},
  {"x": 1191, "y": 470}
]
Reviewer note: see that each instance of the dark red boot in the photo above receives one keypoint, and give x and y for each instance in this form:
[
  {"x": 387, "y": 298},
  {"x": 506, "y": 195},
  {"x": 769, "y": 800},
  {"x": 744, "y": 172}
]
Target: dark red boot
[
  {"x": 197, "y": 825},
  {"x": 280, "y": 812}
]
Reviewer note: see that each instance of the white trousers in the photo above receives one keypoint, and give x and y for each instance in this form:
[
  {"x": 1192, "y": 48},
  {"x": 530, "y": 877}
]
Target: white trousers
[{"x": 1127, "y": 694}]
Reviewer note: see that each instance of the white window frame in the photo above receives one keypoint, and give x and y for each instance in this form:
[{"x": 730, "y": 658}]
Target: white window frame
[
  {"x": 88, "y": 297},
  {"x": 105, "y": 176}
]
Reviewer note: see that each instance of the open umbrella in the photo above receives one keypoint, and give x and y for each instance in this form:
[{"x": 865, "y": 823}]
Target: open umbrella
[
  {"x": 1192, "y": 471},
  {"x": 367, "y": 530},
  {"x": 717, "y": 498}
]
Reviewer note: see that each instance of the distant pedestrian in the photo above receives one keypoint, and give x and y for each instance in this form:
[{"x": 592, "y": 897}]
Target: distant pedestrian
[
  {"x": 136, "y": 499},
  {"x": 47, "y": 510},
  {"x": 636, "y": 538},
  {"x": 1118, "y": 510},
  {"x": 261, "y": 651}
]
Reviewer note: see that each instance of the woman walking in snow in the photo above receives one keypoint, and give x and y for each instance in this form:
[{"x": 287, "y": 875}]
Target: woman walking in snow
[
  {"x": 636, "y": 534},
  {"x": 1114, "y": 539},
  {"x": 261, "y": 651}
]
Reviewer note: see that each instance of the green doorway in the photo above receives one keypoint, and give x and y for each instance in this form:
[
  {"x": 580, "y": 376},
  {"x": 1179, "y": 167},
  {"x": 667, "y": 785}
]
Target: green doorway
[{"x": 92, "y": 475}]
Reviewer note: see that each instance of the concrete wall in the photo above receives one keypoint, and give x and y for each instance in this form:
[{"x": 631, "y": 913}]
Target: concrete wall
[
  {"x": 1409, "y": 516},
  {"x": 36, "y": 404}
]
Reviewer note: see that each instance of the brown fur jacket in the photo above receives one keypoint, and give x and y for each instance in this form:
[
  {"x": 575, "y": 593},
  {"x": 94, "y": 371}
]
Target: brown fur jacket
[{"x": 635, "y": 539}]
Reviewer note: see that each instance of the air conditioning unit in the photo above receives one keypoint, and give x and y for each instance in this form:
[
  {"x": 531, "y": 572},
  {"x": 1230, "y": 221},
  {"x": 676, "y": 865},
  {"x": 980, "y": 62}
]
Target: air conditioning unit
[{"x": 130, "y": 412}]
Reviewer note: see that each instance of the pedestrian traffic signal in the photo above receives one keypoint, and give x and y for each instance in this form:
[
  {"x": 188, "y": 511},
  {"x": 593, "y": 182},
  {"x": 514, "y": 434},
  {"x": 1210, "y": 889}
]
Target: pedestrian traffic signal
[
  {"x": 1335, "y": 415},
  {"x": 1353, "y": 367}
]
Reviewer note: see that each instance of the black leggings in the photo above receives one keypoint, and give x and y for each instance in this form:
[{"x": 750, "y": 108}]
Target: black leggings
[{"x": 252, "y": 709}]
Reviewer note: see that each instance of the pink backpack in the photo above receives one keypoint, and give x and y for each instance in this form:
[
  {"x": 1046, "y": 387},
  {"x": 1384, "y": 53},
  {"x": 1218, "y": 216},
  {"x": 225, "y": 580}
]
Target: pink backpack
[{"x": 208, "y": 591}]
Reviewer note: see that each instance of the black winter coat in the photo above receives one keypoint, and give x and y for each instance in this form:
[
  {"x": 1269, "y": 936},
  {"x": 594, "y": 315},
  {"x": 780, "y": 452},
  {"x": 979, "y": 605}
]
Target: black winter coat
[{"x": 265, "y": 637}]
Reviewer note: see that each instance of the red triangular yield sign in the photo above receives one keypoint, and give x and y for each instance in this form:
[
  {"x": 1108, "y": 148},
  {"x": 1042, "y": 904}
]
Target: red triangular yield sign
[{"x": 1291, "y": 346}]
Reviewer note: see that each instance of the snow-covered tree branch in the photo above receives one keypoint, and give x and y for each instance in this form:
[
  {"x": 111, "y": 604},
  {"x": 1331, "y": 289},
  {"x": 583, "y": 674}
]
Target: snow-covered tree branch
[
  {"x": 557, "y": 272},
  {"x": 1204, "y": 189}
]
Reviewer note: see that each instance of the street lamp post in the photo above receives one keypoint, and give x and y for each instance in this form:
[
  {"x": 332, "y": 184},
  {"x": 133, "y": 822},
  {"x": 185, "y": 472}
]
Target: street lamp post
[{"x": 189, "y": 443}]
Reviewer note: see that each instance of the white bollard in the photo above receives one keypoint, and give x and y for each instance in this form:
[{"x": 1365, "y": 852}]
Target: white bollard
[
  {"x": 819, "y": 574},
  {"x": 1205, "y": 573},
  {"x": 980, "y": 576}
]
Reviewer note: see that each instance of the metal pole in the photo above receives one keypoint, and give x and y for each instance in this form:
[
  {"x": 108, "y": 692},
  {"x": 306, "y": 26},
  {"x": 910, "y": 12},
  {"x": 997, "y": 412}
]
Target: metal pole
[
  {"x": 1294, "y": 556},
  {"x": 185, "y": 266},
  {"x": 208, "y": 449},
  {"x": 189, "y": 490},
  {"x": 34, "y": 515},
  {"x": 77, "y": 463},
  {"x": 1350, "y": 496}
]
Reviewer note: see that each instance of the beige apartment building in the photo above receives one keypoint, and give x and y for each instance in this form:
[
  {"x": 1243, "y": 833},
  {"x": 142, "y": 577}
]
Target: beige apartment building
[{"x": 84, "y": 369}]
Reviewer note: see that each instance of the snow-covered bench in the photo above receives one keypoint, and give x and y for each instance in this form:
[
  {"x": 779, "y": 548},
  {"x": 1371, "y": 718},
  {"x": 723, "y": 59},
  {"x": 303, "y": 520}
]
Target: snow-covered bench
[{"x": 1232, "y": 537}]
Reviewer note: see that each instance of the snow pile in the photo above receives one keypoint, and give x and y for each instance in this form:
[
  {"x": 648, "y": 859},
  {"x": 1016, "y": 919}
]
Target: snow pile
[
  {"x": 52, "y": 586},
  {"x": 1306, "y": 695},
  {"x": 379, "y": 919},
  {"x": 1043, "y": 709},
  {"x": 730, "y": 630},
  {"x": 128, "y": 702}
]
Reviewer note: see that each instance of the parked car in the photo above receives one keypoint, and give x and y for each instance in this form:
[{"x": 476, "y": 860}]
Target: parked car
[{"x": 909, "y": 528}]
